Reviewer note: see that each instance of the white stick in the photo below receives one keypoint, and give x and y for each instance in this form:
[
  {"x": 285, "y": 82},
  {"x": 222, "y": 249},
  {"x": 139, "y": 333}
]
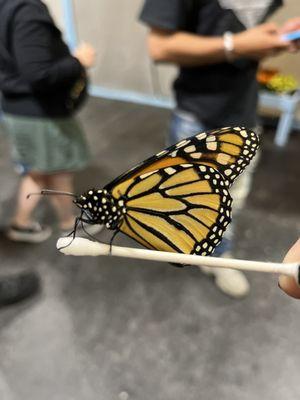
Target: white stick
[{"x": 85, "y": 247}]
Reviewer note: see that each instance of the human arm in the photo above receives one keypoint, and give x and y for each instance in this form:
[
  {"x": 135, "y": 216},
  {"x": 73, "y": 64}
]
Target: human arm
[
  {"x": 188, "y": 49},
  {"x": 287, "y": 283},
  {"x": 85, "y": 53},
  {"x": 32, "y": 48}
]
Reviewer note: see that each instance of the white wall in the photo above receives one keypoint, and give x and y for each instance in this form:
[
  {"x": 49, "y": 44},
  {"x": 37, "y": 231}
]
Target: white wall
[{"x": 112, "y": 27}]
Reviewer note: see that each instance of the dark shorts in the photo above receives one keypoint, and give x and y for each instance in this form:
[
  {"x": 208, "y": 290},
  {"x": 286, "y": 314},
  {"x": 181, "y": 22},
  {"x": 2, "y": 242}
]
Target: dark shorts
[{"x": 46, "y": 145}]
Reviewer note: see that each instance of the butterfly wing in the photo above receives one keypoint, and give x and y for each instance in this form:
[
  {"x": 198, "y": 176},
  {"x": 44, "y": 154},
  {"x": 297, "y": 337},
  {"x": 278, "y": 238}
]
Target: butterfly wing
[
  {"x": 228, "y": 150},
  {"x": 178, "y": 200},
  {"x": 184, "y": 208}
]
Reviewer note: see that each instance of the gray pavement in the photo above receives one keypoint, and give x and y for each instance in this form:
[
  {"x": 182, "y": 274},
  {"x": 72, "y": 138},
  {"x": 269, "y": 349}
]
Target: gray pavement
[{"x": 105, "y": 328}]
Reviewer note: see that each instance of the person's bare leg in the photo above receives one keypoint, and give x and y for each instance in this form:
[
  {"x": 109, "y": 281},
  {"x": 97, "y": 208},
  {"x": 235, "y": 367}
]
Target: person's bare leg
[
  {"x": 63, "y": 205},
  {"x": 30, "y": 183}
]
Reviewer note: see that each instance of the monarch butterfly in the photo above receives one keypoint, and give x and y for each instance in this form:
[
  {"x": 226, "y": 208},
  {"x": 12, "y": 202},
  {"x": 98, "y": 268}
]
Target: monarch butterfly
[{"x": 178, "y": 199}]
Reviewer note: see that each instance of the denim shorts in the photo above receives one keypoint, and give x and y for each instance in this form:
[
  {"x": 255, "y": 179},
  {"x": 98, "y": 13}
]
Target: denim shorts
[{"x": 183, "y": 124}]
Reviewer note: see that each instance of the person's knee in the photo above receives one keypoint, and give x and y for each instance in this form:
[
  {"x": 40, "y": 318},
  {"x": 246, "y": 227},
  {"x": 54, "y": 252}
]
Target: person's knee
[
  {"x": 38, "y": 178},
  {"x": 60, "y": 180}
]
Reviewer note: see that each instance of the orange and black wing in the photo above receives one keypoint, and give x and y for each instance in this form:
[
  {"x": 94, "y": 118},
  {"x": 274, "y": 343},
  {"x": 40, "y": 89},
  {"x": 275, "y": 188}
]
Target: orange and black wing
[
  {"x": 228, "y": 150},
  {"x": 183, "y": 208}
]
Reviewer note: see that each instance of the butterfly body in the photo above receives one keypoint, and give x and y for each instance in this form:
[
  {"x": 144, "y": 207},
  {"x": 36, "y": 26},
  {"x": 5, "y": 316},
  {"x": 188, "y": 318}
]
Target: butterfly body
[
  {"x": 100, "y": 207},
  {"x": 177, "y": 200}
]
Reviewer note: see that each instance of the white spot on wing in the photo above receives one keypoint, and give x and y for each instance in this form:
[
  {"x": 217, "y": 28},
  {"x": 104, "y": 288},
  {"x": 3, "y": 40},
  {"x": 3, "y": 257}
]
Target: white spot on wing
[
  {"x": 161, "y": 153},
  {"x": 211, "y": 138},
  {"x": 147, "y": 174},
  {"x": 170, "y": 170},
  {"x": 190, "y": 149},
  {"x": 212, "y": 146},
  {"x": 196, "y": 155},
  {"x": 201, "y": 136},
  {"x": 182, "y": 143}
]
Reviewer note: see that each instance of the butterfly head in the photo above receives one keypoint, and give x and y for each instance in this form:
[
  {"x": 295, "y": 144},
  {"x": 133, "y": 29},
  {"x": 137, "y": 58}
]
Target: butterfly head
[{"x": 100, "y": 207}]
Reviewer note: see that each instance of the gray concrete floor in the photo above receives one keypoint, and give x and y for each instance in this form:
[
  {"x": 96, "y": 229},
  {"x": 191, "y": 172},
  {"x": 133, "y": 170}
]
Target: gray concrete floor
[{"x": 106, "y": 328}]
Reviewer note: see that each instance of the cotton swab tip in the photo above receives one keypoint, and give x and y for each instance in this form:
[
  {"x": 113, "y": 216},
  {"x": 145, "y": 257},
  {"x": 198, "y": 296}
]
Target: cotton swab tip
[{"x": 81, "y": 247}]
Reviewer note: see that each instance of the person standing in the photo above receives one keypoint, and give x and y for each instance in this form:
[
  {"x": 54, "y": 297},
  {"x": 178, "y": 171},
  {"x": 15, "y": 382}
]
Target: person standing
[
  {"x": 217, "y": 46},
  {"x": 42, "y": 86}
]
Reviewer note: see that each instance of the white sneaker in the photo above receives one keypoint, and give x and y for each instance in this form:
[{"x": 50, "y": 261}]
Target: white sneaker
[
  {"x": 35, "y": 233},
  {"x": 230, "y": 281}
]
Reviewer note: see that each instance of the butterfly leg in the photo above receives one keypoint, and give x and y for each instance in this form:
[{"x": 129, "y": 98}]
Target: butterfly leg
[
  {"x": 82, "y": 220},
  {"x": 111, "y": 240},
  {"x": 73, "y": 233}
]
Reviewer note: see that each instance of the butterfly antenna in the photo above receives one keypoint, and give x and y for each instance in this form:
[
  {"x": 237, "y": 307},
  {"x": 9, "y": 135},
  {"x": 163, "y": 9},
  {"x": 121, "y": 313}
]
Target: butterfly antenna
[{"x": 49, "y": 192}]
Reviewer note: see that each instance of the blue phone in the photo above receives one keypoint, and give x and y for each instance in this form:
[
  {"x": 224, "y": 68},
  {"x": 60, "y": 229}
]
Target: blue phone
[{"x": 291, "y": 36}]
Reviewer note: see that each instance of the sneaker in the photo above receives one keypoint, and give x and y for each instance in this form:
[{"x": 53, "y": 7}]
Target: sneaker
[
  {"x": 35, "y": 233},
  {"x": 84, "y": 231},
  {"x": 230, "y": 281},
  {"x": 15, "y": 288}
]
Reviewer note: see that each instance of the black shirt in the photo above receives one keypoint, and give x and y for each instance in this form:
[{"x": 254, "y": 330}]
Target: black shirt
[
  {"x": 37, "y": 70},
  {"x": 220, "y": 94}
]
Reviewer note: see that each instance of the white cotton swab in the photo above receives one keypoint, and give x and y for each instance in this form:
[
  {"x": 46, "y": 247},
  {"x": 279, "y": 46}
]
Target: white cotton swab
[{"x": 84, "y": 247}]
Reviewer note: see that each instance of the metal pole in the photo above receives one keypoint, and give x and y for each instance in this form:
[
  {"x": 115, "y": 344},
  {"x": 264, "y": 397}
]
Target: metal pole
[{"x": 70, "y": 27}]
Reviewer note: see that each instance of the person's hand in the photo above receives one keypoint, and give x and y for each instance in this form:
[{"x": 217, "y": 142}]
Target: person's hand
[
  {"x": 287, "y": 283},
  {"x": 291, "y": 25},
  {"x": 86, "y": 55},
  {"x": 262, "y": 41}
]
